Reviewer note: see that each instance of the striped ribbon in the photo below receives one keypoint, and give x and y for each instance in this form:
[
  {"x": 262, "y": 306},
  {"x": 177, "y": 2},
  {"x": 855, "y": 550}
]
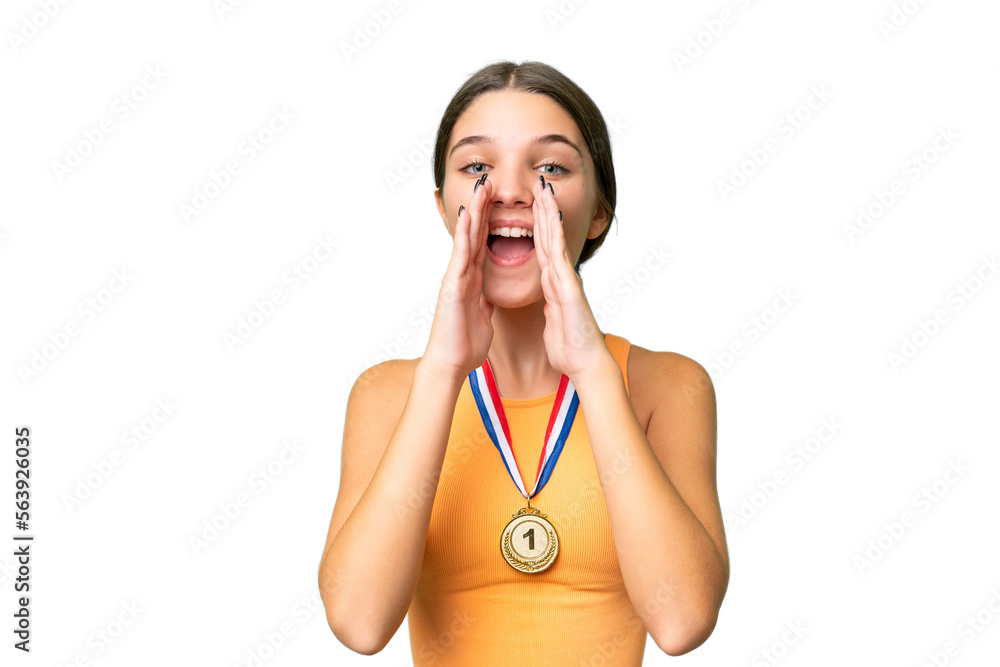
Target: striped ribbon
[{"x": 484, "y": 389}]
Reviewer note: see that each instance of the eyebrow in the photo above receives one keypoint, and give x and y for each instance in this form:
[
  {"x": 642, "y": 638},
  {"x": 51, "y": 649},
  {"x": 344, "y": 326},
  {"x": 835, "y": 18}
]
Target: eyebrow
[{"x": 544, "y": 139}]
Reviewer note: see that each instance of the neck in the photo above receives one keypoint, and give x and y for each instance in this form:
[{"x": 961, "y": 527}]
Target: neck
[{"x": 517, "y": 354}]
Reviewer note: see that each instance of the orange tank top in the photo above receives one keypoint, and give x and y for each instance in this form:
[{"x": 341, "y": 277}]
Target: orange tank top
[{"x": 472, "y": 608}]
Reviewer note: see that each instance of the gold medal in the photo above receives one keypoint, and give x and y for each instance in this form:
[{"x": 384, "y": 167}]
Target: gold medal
[{"x": 529, "y": 542}]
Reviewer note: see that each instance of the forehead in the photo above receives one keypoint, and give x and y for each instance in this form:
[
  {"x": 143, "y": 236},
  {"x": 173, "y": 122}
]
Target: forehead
[{"x": 515, "y": 118}]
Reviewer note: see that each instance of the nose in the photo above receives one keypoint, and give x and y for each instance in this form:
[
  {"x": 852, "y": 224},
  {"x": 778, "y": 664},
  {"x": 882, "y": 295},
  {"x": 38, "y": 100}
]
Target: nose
[{"x": 513, "y": 188}]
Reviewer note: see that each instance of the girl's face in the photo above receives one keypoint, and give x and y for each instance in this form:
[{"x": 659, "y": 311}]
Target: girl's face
[{"x": 515, "y": 137}]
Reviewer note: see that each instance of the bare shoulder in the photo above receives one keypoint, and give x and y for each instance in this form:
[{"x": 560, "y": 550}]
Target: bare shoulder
[
  {"x": 666, "y": 380},
  {"x": 385, "y": 379},
  {"x": 682, "y": 429},
  {"x": 374, "y": 406}
]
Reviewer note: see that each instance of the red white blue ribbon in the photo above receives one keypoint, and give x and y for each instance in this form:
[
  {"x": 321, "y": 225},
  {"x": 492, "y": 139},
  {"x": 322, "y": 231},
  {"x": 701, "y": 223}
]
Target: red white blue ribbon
[{"x": 484, "y": 389}]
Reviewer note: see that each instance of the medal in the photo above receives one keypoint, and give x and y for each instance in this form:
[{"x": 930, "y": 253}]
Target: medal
[{"x": 528, "y": 542}]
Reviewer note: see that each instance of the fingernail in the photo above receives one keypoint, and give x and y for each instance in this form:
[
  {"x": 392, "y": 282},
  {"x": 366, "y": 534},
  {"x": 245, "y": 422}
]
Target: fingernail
[
  {"x": 560, "y": 216},
  {"x": 542, "y": 179},
  {"x": 478, "y": 183},
  {"x": 551, "y": 190},
  {"x": 460, "y": 209}
]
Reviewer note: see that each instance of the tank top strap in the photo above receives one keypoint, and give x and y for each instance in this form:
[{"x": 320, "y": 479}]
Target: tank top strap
[{"x": 619, "y": 348}]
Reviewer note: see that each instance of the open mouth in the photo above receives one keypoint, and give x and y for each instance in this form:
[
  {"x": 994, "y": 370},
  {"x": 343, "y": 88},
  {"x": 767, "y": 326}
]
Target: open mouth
[{"x": 510, "y": 248}]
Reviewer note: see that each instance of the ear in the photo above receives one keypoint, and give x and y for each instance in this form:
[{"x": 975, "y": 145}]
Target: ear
[{"x": 598, "y": 223}]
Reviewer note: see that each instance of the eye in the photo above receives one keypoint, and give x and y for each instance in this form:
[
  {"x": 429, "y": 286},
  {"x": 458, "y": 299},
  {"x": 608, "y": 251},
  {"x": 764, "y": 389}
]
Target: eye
[
  {"x": 474, "y": 163},
  {"x": 561, "y": 169}
]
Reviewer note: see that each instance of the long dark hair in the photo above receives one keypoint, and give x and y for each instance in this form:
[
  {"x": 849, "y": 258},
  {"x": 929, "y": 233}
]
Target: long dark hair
[{"x": 539, "y": 78}]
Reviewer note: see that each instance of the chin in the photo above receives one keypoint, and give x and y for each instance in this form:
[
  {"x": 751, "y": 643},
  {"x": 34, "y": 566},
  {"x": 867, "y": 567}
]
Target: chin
[{"x": 517, "y": 297}]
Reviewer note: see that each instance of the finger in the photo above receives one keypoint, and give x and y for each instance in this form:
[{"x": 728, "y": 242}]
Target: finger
[
  {"x": 558, "y": 236},
  {"x": 545, "y": 214},
  {"x": 552, "y": 230},
  {"x": 539, "y": 232},
  {"x": 486, "y": 202},
  {"x": 550, "y": 223},
  {"x": 480, "y": 255},
  {"x": 478, "y": 221},
  {"x": 474, "y": 221},
  {"x": 460, "y": 247},
  {"x": 541, "y": 226},
  {"x": 484, "y": 224},
  {"x": 558, "y": 244}
]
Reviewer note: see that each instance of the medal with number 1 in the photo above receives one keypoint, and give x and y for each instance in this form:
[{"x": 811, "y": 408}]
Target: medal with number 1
[{"x": 528, "y": 542}]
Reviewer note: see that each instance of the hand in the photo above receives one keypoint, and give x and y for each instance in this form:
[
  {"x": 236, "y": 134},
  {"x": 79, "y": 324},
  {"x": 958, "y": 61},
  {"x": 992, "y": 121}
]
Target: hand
[
  {"x": 462, "y": 329},
  {"x": 573, "y": 341}
]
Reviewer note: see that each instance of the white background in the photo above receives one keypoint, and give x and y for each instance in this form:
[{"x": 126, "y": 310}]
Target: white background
[{"x": 682, "y": 129}]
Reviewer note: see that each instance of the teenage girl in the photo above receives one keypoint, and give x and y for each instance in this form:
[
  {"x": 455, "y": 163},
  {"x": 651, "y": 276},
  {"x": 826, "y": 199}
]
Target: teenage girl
[{"x": 616, "y": 532}]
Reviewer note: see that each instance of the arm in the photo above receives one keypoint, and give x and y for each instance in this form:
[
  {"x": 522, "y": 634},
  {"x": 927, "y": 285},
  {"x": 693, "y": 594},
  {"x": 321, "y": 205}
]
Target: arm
[
  {"x": 658, "y": 482},
  {"x": 375, "y": 545},
  {"x": 663, "y": 502}
]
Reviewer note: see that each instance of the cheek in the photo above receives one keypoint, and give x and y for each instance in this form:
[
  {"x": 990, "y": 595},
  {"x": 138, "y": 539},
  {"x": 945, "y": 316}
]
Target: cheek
[
  {"x": 452, "y": 201},
  {"x": 572, "y": 199}
]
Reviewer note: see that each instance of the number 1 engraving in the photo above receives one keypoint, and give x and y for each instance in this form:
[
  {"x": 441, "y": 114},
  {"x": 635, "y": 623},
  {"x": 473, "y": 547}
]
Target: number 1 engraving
[{"x": 531, "y": 539}]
